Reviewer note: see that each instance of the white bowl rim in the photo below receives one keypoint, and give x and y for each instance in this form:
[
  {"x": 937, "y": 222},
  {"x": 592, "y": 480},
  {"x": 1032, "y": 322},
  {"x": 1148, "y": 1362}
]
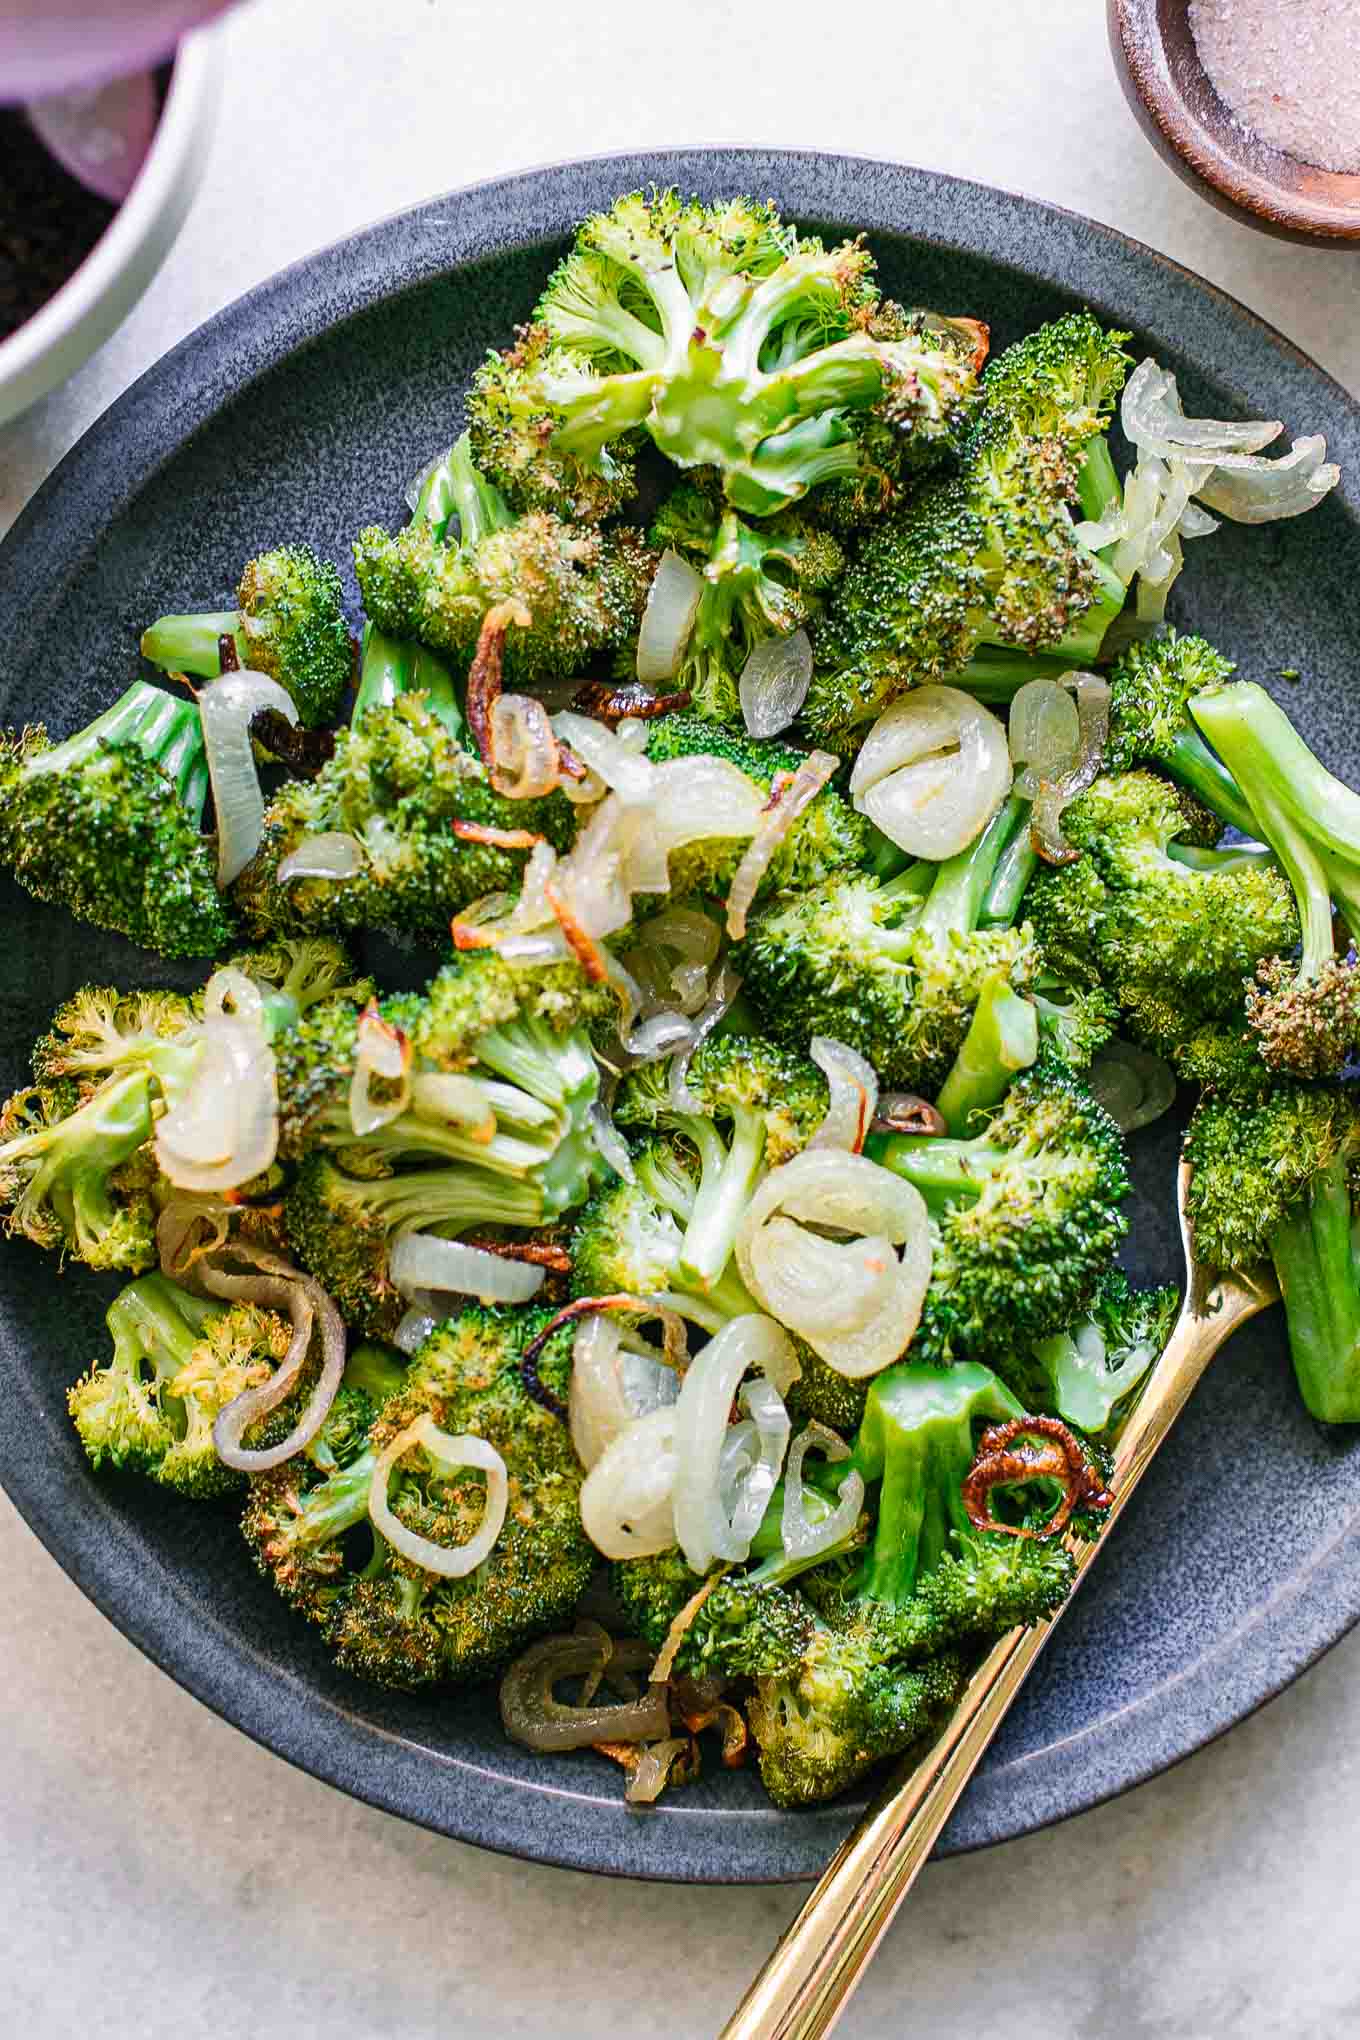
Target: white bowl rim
[{"x": 193, "y": 79}]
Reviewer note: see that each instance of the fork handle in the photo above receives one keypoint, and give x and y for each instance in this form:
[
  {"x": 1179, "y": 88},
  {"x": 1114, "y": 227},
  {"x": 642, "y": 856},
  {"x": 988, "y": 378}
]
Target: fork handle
[{"x": 809, "y": 1977}]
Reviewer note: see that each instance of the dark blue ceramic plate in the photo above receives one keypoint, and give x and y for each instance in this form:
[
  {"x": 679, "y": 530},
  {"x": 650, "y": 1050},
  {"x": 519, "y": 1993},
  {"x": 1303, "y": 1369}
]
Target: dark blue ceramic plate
[{"x": 301, "y": 412}]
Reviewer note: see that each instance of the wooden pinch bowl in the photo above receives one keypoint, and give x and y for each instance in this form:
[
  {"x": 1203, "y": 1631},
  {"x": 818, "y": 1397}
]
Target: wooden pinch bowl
[{"x": 1184, "y": 118}]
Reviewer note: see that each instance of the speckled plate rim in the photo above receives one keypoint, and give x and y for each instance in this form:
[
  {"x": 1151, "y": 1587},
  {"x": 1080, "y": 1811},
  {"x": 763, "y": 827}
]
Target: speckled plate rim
[{"x": 1281, "y": 1636}]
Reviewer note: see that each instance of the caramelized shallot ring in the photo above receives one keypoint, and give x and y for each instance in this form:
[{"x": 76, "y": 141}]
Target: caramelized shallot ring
[
  {"x": 1004, "y": 1456},
  {"x": 583, "y": 946},
  {"x": 613, "y": 705},
  {"x": 498, "y": 839}
]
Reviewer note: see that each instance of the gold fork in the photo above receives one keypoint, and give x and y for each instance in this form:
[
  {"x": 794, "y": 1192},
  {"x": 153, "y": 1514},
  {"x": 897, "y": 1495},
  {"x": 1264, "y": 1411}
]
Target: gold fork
[{"x": 808, "y": 1979}]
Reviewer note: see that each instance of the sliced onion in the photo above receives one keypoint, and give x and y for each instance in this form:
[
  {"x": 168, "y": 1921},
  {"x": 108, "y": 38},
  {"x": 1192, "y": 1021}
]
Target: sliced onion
[
  {"x": 232, "y": 993},
  {"x": 725, "y": 988},
  {"x": 774, "y": 683},
  {"x": 932, "y": 772},
  {"x": 668, "y": 618},
  {"x": 781, "y": 811},
  {"x": 179, "y": 1241},
  {"x": 855, "y": 1302},
  {"x": 1134, "y": 1086},
  {"x": 747, "y": 1498},
  {"x": 423, "y": 1317},
  {"x": 1154, "y": 420},
  {"x": 421, "y": 1261},
  {"x": 533, "y": 1717},
  {"x": 524, "y": 761},
  {"x": 278, "y": 1285},
  {"x": 627, "y": 1498},
  {"x": 702, "y": 1528},
  {"x": 651, "y": 1774},
  {"x": 333, "y": 854},
  {"x": 611, "y": 1386},
  {"x": 610, "y": 1141},
  {"x": 448, "y": 1099},
  {"x": 854, "y": 1095},
  {"x": 1261, "y": 491},
  {"x": 450, "y": 1454},
  {"x": 617, "y": 763},
  {"x": 225, "y": 1127},
  {"x": 700, "y": 796},
  {"x": 802, "y": 1539},
  {"x": 381, "y": 1050},
  {"x": 1043, "y": 733},
  {"x": 225, "y": 707},
  {"x": 1093, "y": 718}
]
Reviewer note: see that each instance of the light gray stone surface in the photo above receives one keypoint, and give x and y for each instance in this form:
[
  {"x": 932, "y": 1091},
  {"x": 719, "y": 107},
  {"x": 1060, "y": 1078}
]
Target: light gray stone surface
[{"x": 160, "y": 1876}]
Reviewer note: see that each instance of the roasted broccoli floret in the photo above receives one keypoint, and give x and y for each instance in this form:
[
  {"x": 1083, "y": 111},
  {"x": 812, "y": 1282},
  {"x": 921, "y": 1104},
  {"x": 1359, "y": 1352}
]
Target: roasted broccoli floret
[
  {"x": 289, "y": 622},
  {"x": 1305, "y": 1013},
  {"x": 729, "y": 341},
  {"x": 582, "y": 589},
  {"x": 109, "y": 823},
  {"x": 745, "y": 1628},
  {"x": 177, "y": 1362},
  {"x": 883, "y": 1666},
  {"x": 1272, "y": 1179},
  {"x": 70, "y": 1175},
  {"x": 985, "y": 557},
  {"x": 390, "y": 668},
  {"x": 630, "y": 1239},
  {"x": 1085, "y": 1373},
  {"x": 1131, "y": 913},
  {"x": 401, "y": 786},
  {"x": 1060, "y": 382},
  {"x": 1151, "y": 686},
  {"x": 1025, "y": 1217},
  {"x": 508, "y": 1143},
  {"x": 760, "y": 582},
  {"x": 386, "y": 1617},
  {"x": 894, "y": 970},
  {"x": 755, "y": 1105}
]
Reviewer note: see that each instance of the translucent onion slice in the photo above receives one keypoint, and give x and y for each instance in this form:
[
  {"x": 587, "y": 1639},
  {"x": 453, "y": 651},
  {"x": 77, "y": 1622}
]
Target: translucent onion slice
[
  {"x": 524, "y": 759},
  {"x": 225, "y": 1127},
  {"x": 932, "y": 772},
  {"x": 651, "y": 1774},
  {"x": 420, "y": 1261},
  {"x": 533, "y": 1716},
  {"x": 1043, "y": 733},
  {"x": 232, "y": 993},
  {"x": 1093, "y": 721},
  {"x": 725, "y": 988},
  {"x": 745, "y": 1506},
  {"x": 448, "y": 1099},
  {"x": 627, "y": 1506},
  {"x": 1154, "y": 421},
  {"x": 781, "y": 811},
  {"x": 668, "y": 618},
  {"x": 1134, "y": 1086},
  {"x": 278, "y": 1285},
  {"x": 333, "y": 854},
  {"x": 421, "y": 1318},
  {"x": 774, "y": 683},
  {"x": 225, "y": 707},
  {"x": 610, "y": 1141},
  {"x": 383, "y": 1051},
  {"x": 856, "y": 1302},
  {"x": 854, "y": 1095},
  {"x": 617, "y": 763},
  {"x": 695, "y": 794},
  {"x": 1262, "y": 491},
  {"x": 449, "y": 1454},
  {"x": 611, "y": 1385},
  {"x": 702, "y": 1527},
  {"x": 804, "y": 1539}
]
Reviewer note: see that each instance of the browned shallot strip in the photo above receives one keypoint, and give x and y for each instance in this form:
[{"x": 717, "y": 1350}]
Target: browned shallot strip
[
  {"x": 1031, "y": 1448},
  {"x": 583, "y": 946},
  {"x": 498, "y": 839},
  {"x": 612, "y": 705}
]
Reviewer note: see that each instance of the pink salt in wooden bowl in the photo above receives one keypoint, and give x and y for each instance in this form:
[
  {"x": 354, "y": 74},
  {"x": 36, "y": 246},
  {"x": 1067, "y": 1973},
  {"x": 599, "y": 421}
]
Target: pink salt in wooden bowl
[{"x": 1189, "y": 124}]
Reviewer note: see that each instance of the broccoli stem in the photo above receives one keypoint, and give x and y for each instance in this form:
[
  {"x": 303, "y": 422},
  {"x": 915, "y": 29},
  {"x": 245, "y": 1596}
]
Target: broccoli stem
[
  {"x": 1188, "y": 759},
  {"x": 390, "y": 667},
  {"x": 1015, "y": 867},
  {"x": 727, "y": 1177},
  {"x": 1315, "y": 1264},
  {"x": 161, "y": 1320},
  {"x": 448, "y": 1200},
  {"x": 555, "y": 1068},
  {"x": 945, "y": 1171},
  {"x": 461, "y": 489},
  {"x": 191, "y": 644},
  {"x": 336, "y": 1505},
  {"x": 1002, "y": 1038},
  {"x": 165, "y": 730},
  {"x": 996, "y": 673},
  {"x": 1268, "y": 758},
  {"x": 1098, "y": 486},
  {"x": 961, "y": 883}
]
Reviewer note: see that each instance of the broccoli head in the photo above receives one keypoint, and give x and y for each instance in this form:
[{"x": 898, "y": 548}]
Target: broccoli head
[
  {"x": 1152, "y": 684},
  {"x": 730, "y": 342},
  {"x": 69, "y": 1170},
  {"x": 402, "y": 787},
  {"x": 109, "y": 823},
  {"x": 289, "y": 622}
]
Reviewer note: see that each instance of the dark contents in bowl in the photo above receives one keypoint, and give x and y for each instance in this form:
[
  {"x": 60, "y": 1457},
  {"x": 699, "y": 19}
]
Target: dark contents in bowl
[{"x": 49, "y": 222}]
